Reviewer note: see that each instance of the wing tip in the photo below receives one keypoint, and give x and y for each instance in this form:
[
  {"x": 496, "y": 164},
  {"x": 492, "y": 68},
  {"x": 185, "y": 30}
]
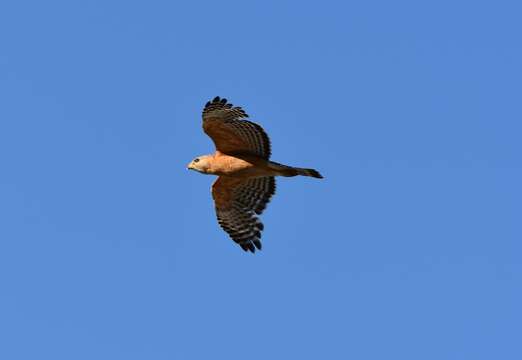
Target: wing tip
[
  {"x": 251, "y": 245},
  {"x": 218, "y": 99},
  {"x": 219, "y": 103}
]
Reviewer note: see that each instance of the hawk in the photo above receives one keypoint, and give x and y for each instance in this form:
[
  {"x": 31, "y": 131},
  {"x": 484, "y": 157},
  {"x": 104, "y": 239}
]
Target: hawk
[{"x": 246, "y": 179}]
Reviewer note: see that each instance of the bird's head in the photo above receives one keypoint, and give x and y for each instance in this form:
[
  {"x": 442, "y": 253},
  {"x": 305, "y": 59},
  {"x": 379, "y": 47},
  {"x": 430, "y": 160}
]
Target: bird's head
[{"x": 200, "y": 164}]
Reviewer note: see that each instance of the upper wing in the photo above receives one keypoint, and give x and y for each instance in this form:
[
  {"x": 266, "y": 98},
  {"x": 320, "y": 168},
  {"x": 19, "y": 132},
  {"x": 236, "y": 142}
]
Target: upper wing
[
  {"x": 231, "y": 133},
  {"x": 238, "y": 201}
]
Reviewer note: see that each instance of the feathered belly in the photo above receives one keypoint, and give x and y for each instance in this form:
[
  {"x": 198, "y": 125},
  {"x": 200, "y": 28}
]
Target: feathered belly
[{"x": 240, "y": 167}]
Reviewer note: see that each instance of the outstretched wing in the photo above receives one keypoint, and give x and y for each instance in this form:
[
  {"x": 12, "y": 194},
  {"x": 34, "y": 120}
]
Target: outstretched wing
[
  {"x": 238, "y": 202},
  {"x": 231, "y": 133}
]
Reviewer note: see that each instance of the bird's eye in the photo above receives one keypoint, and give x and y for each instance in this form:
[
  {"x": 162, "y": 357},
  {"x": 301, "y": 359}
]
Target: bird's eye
[{"x": 196, "y": 160}]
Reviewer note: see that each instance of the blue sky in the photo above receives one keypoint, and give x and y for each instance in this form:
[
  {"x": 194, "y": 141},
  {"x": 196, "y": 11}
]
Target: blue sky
[{"x": 410, "y": 248}]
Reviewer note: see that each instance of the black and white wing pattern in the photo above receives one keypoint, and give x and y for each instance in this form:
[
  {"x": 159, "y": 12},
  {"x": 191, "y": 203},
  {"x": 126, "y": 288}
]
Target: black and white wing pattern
[
  {"x": 238, "y": 202},
  {"x": 227, "y": 126}
]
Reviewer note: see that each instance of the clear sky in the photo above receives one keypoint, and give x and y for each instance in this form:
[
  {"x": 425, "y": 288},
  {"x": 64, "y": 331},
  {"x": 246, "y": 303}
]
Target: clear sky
[{"x": 410, "y": 248}]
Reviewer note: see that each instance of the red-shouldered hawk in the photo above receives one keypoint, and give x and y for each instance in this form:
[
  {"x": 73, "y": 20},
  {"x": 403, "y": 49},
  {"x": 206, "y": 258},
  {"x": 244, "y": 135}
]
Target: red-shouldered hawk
[{"x": 246, "y": 175}]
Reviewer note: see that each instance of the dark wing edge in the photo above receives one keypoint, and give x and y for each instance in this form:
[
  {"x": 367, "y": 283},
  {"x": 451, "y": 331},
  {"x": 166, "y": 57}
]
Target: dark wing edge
[{"x": 220, "y": 108}]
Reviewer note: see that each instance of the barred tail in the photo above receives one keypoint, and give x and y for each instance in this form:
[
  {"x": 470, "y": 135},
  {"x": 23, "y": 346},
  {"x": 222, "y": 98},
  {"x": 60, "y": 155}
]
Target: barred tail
[{"x": 284, "y": 170}]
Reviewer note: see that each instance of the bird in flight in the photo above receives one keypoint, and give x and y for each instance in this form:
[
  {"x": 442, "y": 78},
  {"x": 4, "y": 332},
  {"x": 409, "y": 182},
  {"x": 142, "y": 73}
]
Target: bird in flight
[{"x": 246, "y": 179}]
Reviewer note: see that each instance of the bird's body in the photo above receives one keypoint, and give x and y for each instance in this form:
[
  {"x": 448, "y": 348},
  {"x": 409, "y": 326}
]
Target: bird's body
[
  {"x": 234, "y": 165},
  {"x": 246, "y": 179},
  {"x": 247, "y": 166}
]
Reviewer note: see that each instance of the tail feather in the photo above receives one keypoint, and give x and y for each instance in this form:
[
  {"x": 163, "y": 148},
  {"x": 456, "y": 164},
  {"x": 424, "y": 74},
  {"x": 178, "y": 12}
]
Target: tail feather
[
  {"x": 309, "y": 172},
  {"x": 285, "y": 170}
]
